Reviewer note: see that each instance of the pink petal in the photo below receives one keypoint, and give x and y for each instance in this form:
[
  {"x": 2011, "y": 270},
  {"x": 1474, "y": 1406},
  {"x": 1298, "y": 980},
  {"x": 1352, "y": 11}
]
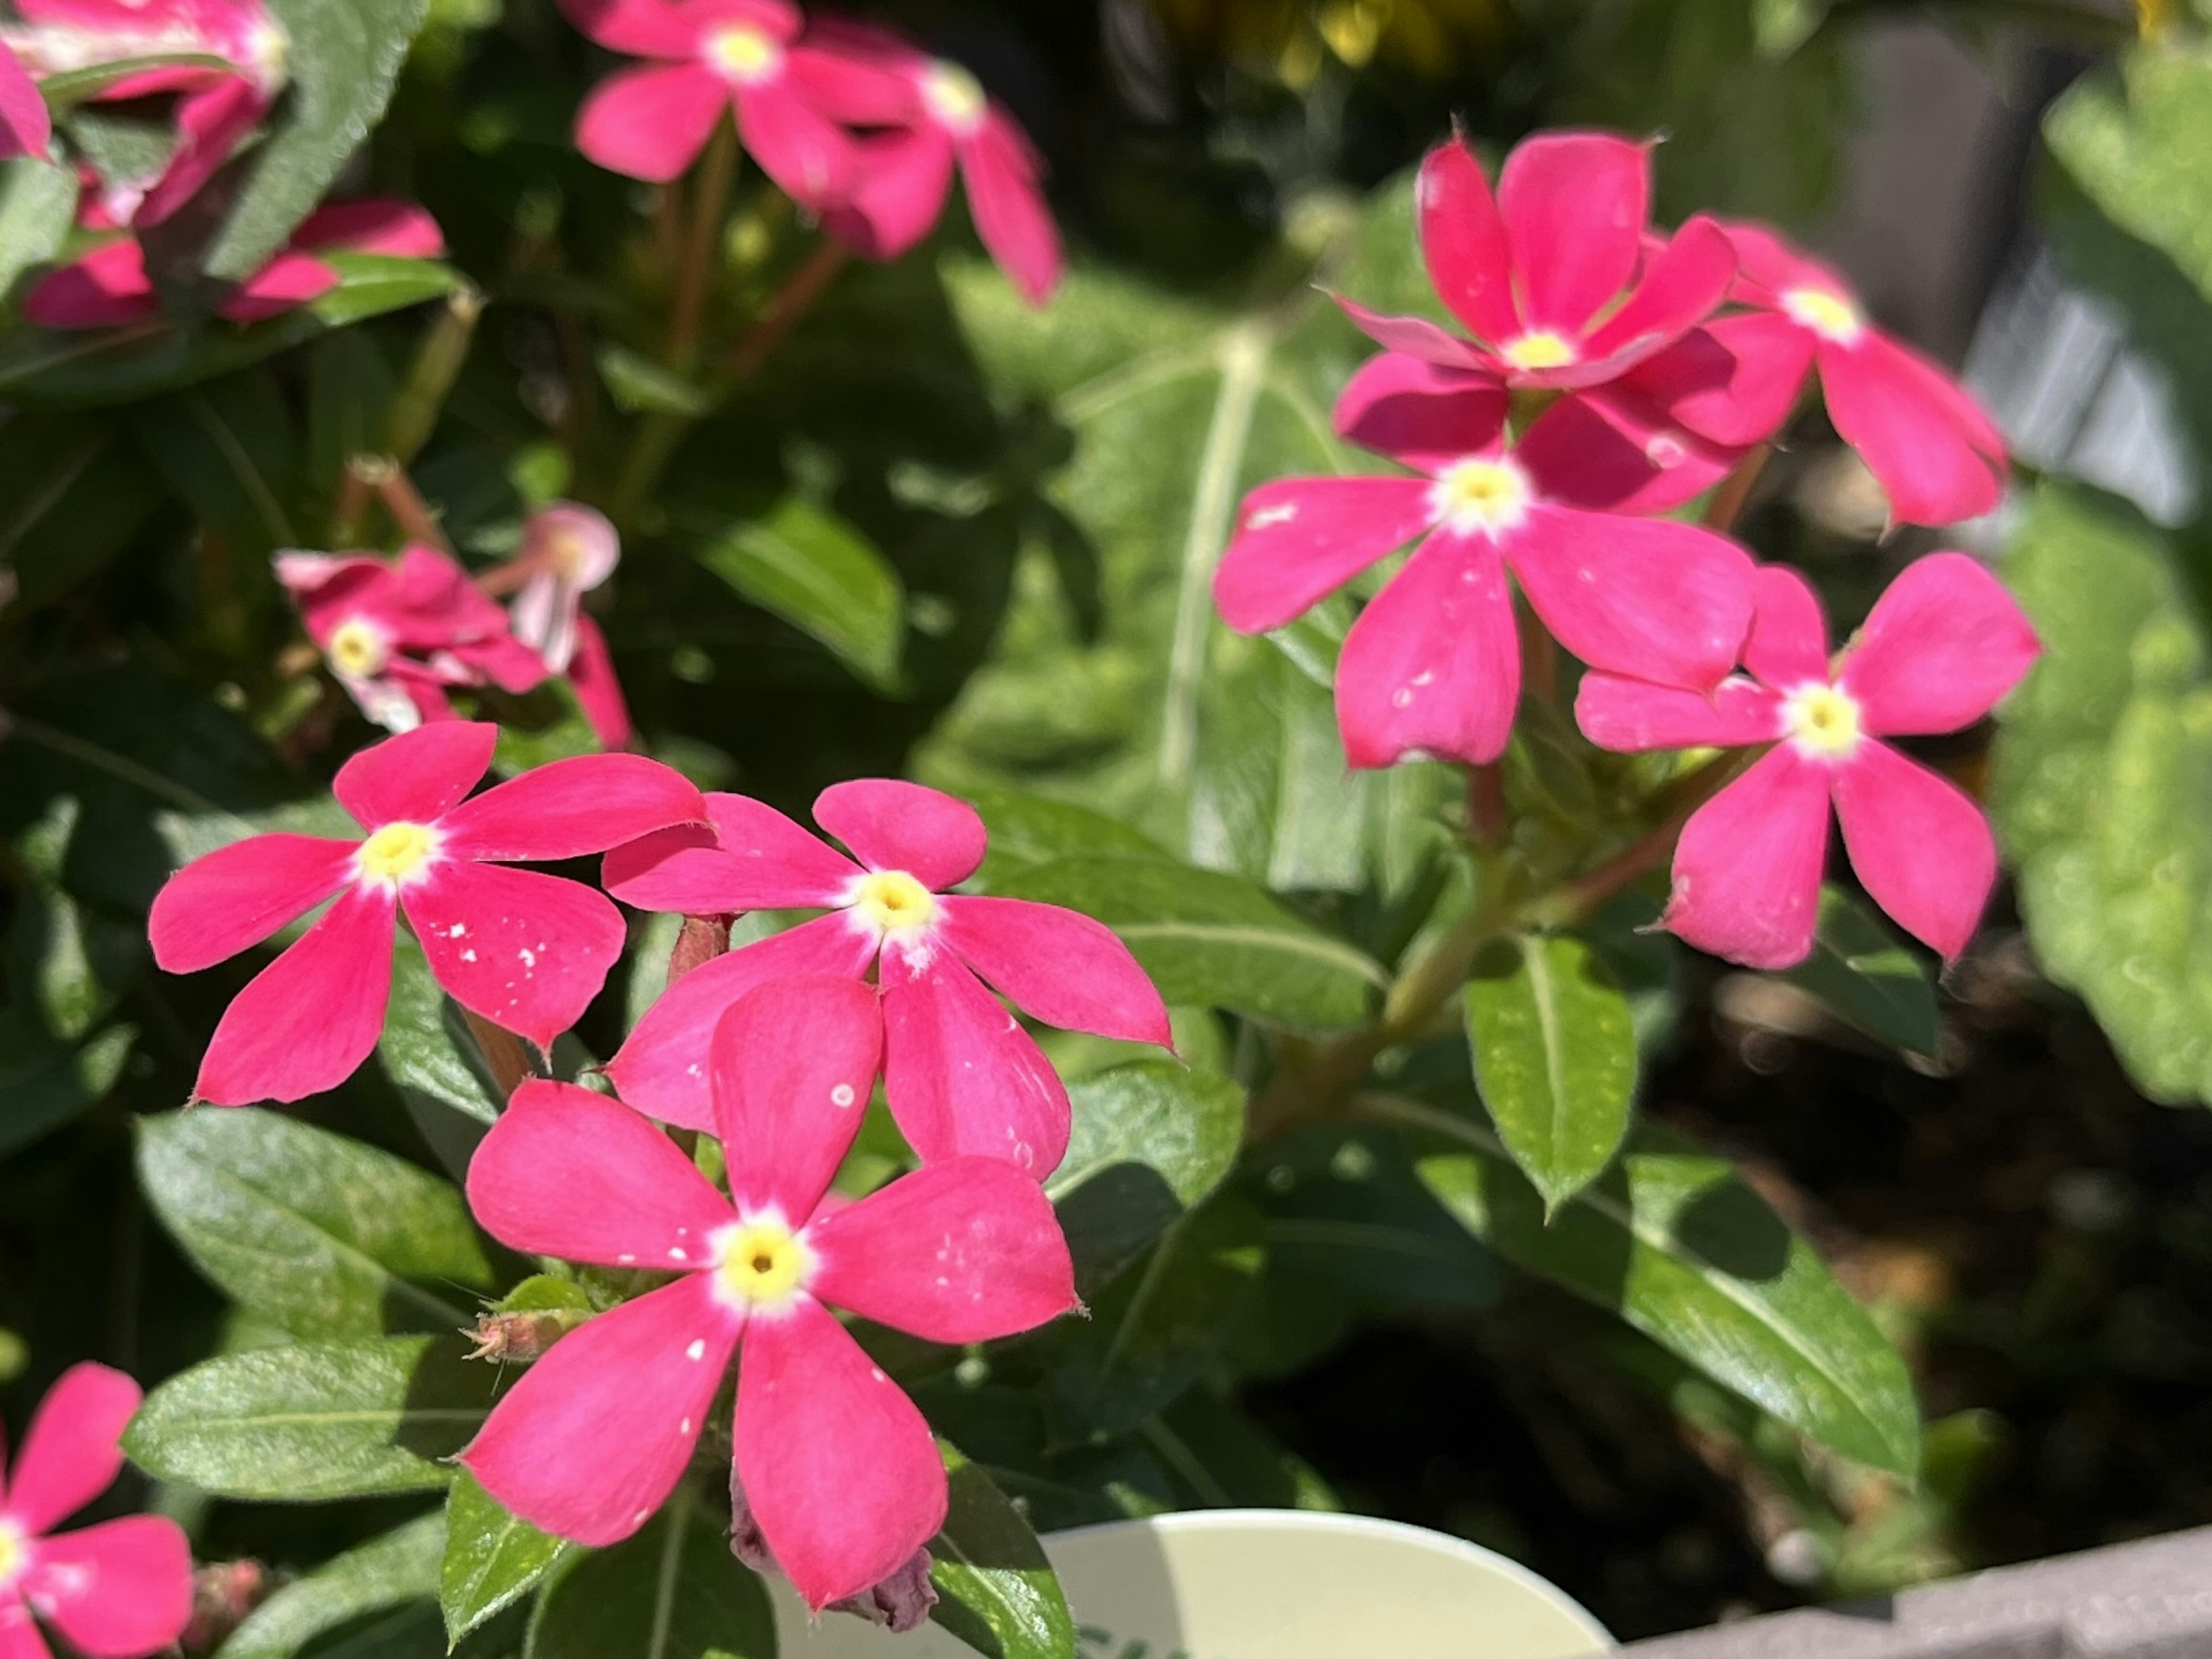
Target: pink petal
[
  {"x": 651, "y": 123},
  {"x": 115, "y": 1590},
  {"x": 238, "y": 896},
  {"x": 309, "y": 1020},
  {"x": 1648, "y": 597},
  {"x": 1748, "y": 868},
  {"x": 527, "y": 951},
  {"x": 1771, "y": 266},
  {"x": 570, "y": 1173},
  {"x": 1419, "y": 415},
  {"x": 857, "y": 75},
  {"x": 1300, "y": 538},
  {"x": 763, "y": 861},
  {"x": 285, "y": 283},
  {"x": 1933, "y": 450},
  {"x": 19, "y": 1636},
  {"x": 1463, "y": 242},
  {"x": 372, "y": 225},
  {"x": 70, "y": 1453},
  {"x": 103, "y": 289},
  {"x": 1416, "y": 337},
  {"x": 598, "y": 693},
  {"x": 1630, "y": 716},
  {"x": 1682, "y": 287},
  {"x": 1939, "y": 650},
  {"x": 960, "y": 1072},
  {"x": 1575, "y": 205},
  {"x": 902, "y": 180},
  {"x": 594, "y": 1436},
  {"x": 25, "y": 129},
  {"x": 1597, "y": 450},
  {"x": 1008, "y": 206},
  {"x": 643, "y": 28},
  {"x": 1789, "y": 642},
  {"x": 1919, "y": 844},
  {"x": 212, "y": 123},
  {"x": 1057, "y": 966},
  {"x": 568, "y": 808},
  {"x": 416, "y": 777},
  {"x": 662, "y": 1069},
  {"x": 1732, "y": 381},
  {"x": 891, "y": 825},
  {"x": 503, "y": 660},
  {"x": 840, "y": 1470},
  {"x": 809, "y": 156},
  {"x": 1432, "y": 666},
  {"x": 795, "y": 1064},
  {"x": 967, "y": 1250}
]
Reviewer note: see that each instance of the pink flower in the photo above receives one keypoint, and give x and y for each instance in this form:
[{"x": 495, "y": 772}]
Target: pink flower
[
  {"x": 527, "y": 951},
  {"x": 1939, "y": 650},
  {"x": 567, "y": 551},
  {"x": 839, "y": 1469},
  {"x": 216, "y": 108},
  {"x": 399, "y": 634},
  {"x": 711, "y": 56},
  {"x": 25, "y": 127},
  {"x": 1432, "y": 665},
  {"x": 115, "y": 1589},
  {"x": 109, "y": 285},
  {"x": 1552, "y": 275},
  {"x": 936, "y": 115},
  {"x": 960, "y": 1074}
]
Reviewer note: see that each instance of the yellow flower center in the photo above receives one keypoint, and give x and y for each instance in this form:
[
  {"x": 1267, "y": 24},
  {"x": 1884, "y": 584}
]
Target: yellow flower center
[
  {"x": 1822, "y": 720},
  {"x": 1484, "y": 496},
  {"x": 1540, "y": 350},
  {"x": 745, "y": 55},
  {"x": 1827, "y": 313},
  {"x": 357, "y": 650},
  {"x": 397, "y": 853},
  {"x": 955, "y": 97},
  {"x": 764, "y": 1264},
  {"x": 15, "y": 1552},
  {"x": 893, "y": 901}
]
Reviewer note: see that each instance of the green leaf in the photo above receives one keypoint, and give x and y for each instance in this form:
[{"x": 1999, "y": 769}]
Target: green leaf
[
  {"x": 804, "y": 563},
  {"x": 492, "y": 1559},
  {"x": 1027, "y": 830},
  {"x": 674, "y": 1591},
  {"x": 1674, "y": 1243},
  {"x": 38, "y": 201},
  {"x": 641, "y": 386},
  {"x": 426, "y": 1049},
  {"x": 395, "y": 1574},
  {"x": 2141, "y": 144},
  {"x": 323, "y": 1234},
  {"x": 1554, "y": 1049},
  {"x": 78, "y": 85},
  {"x": 1150, "y": 1141},
  {"x": 344, "y": 57},
  {"x": 999, "y": 1593},
  {"x": 2099, "y": 781},
  {"x": 315, "y": 1420},
  {"x": 371, "y": 284},
  {"x": 73, "y": 492},
  {"x": 1213, "y": 940},
  {"x": 1865, "y": 976},
  {"x": 230, "y": 448}
]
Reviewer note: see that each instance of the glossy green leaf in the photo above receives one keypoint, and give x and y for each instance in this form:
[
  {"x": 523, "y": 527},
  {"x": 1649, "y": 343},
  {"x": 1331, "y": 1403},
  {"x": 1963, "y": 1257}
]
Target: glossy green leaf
[
  {"x": 1213, "y": 940},
  {"x": 38, "y": 200},
  {"x": 1554, "y": 1049},
  {"x": 804, "y": 563},
  {"x": 999, "y": 1593},
  {"x": 492, "y": 1559},
  {"x": 315, "y": 1420},
  {"x": 1674, "y": 1243},
  {"x": 674, "y": 1591},
  {"x": 2139, "y": 143},
  {"x": 395, "y": 1576},
  {"x": 371, "y": 284},
  {"x": 426, "y": 1049},
  {"x": 1027, "y": 830},
  {"x": 1863, "y": 974}
]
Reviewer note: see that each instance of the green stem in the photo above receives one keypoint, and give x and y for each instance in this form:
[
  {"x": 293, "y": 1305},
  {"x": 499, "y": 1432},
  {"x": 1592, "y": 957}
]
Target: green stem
[
  {"x": 444, "y": 348},
  {"x": 710, "y": 204}
]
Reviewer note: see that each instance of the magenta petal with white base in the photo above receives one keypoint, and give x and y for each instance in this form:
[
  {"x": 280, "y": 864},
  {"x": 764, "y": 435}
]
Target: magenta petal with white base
[
  {"x": 960, "y": 1072},
  {"x": 1630, "y": 716},
  {"x": 809, "y": 156},
  {"x": 753, "y": 859},
  {"x": 415, "y": 777},
  {"x": 795, "y": 1064},
  {"x": 1058, "y": 966},
  {"x": 934, "y": 837},
  {"x": 840, "y": 1467},
  {"x": 1920, "y": 846},
  {"x": 1299, "y": 539},
  {"x": 652, "y": 121},
  {"x": 1937, "y": 459},
  {"x": 525, "y": 951},
  {"x": 1747, "y": 869},
  {"x": 593, "y": 1437},
  {"x": 568, "y": 808},
  {"x": 116, "y": 1590},
  {"x": 70, "y": 1454},
  {"x": 309, "y": 1018},
  {"x": 1574, "y": 205},
  {"x": 238, "y": 896},
  {"x": 1008, "y": 207},
  {"x": 1419, "y": 415},
  {"x": 1463, "y": 243},
  {"x": 960, "y": 1251},
  {"x": 1789, "y": 642},
  {"x": 570, "y": 1173},
  {"x": 1940, "y": 649},
  {"x": 1432, "y": 665}
]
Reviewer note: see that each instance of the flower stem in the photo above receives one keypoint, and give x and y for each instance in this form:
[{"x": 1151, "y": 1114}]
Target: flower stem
[
  {"x": 1728, "y": 501},
  {"x": 710, "y": 203},
  {"x": 409, "y": 511},
  {"x": 444, "y": 348},
  {"x": 792, "y": 301}
]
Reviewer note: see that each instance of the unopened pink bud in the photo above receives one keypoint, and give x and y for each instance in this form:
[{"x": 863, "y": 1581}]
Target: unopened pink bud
[{"x": 223, "y": 1593}]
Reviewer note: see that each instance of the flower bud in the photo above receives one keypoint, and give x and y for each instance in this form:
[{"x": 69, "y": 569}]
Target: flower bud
[
  {"x": 703, "y": 938},
  {"x": 223, "y": 1593}
]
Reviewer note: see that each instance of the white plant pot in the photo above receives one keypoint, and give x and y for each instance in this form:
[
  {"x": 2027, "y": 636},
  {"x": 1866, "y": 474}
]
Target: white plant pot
[{"x": 1266, "y": 1584}]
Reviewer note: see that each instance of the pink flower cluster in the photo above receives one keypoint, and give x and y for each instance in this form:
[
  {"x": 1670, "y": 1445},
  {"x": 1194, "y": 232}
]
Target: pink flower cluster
[
  {"x": 1657, "y": 363},
  {"x": 853, "y": 124}
]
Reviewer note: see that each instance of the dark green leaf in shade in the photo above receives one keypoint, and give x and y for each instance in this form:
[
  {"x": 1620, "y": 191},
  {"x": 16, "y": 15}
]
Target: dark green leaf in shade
[
  {"x": 804, "y": 563},
  {"x": 674, "y": 1591},
  {"x": 315, "y": 1420},
  {"x": 230, "y": 448},
  {"x": 998, "y": 1592},
  {"x": 1862, "y": 973},
  {"x": 73, "y": 491},
  {"x": 1554, "y": 1049},
  {"x": 383, "y": 1589},
  {"x": 492, "y": 1559}
]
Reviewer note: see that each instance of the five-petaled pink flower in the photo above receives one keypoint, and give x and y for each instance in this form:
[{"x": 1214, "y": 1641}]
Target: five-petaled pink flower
[
  {"x": 1432, "y": 665},
  {"x": 713, "y": 56},
  {"x": 960, "y": 1072},
  {"x": 117, "y": 1590},
  {"x": 109, "y": 285},
  {"x": 839, "y": 1467},
  {"x": 1554, "y": 276},
  {"x": 933, "y": 115},
  {"x": 525, "y": 951},
  {"x": 216, "y": 106},
  {"x": 1941, "y": 648},
  {"x": 25, "y": 126},
  {"x": 567, "y": 550}
]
